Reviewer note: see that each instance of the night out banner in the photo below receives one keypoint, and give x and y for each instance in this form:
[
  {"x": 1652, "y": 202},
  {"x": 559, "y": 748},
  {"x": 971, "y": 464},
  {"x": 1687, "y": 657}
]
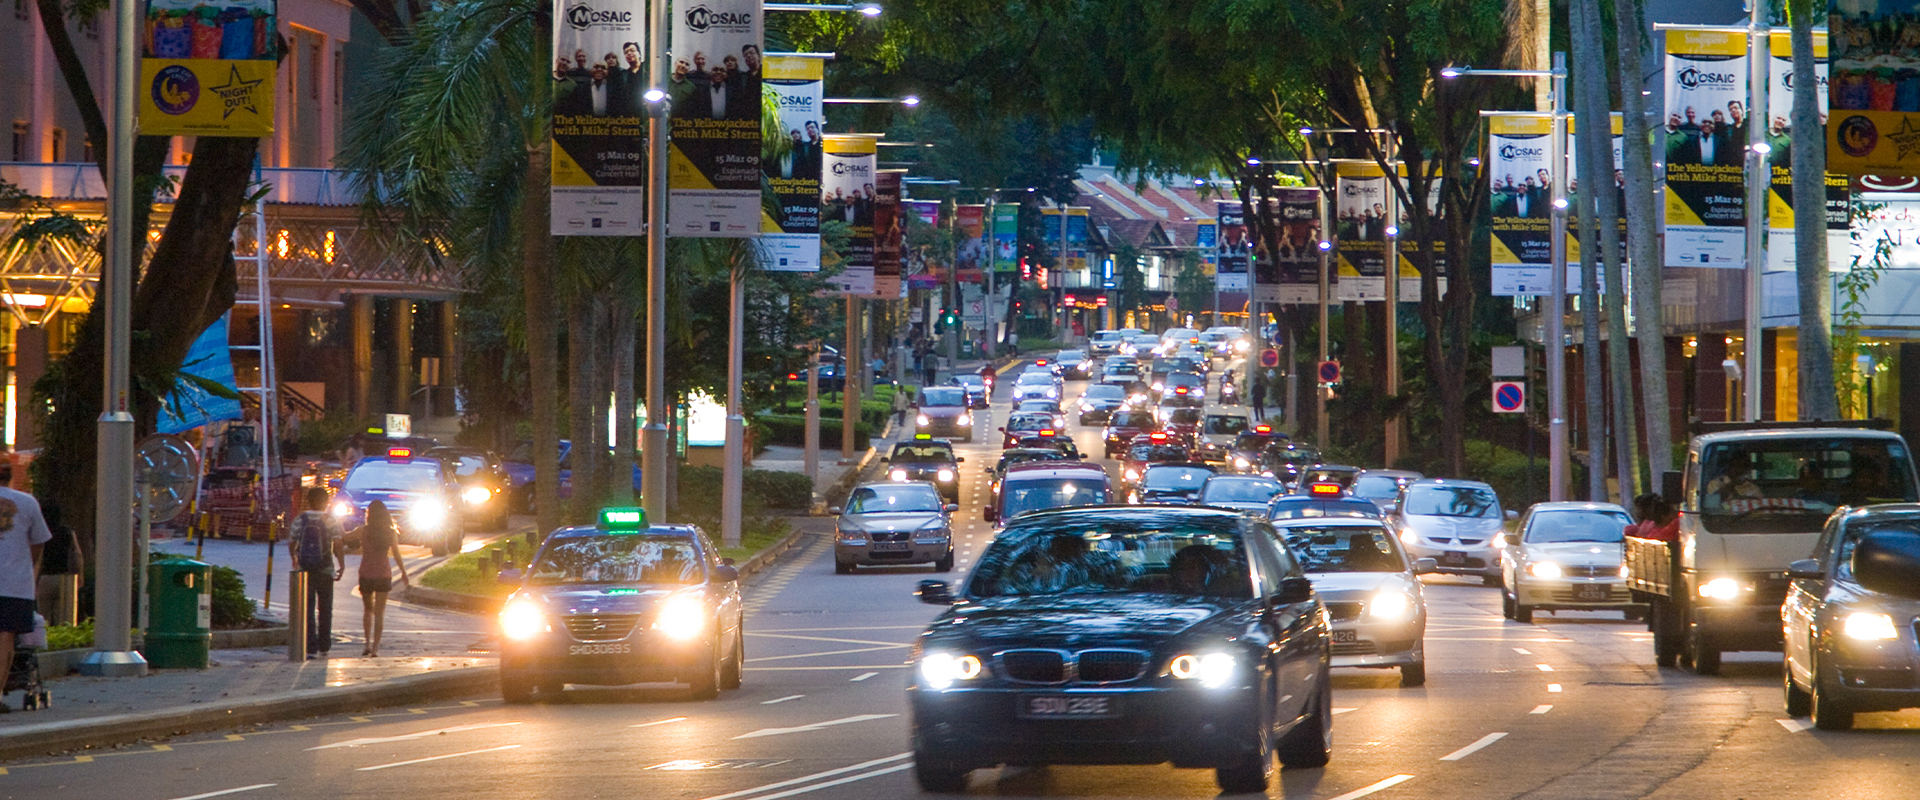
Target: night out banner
[
  {"x": 713, "y": 160},
  {"x": 208, "y": 69},
  {"x": 1874, "y": 101},
  {"x": 599, "y": 164}
]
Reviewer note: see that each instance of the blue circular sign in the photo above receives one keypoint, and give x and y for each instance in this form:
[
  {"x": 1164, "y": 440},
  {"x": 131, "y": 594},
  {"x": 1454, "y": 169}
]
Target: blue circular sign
[
  {"x": 1508, "y": 397},
  {"x": 1329, "y": 372}
]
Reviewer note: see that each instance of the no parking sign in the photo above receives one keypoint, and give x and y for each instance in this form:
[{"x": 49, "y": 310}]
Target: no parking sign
[{"x": 1509, "y": 397}]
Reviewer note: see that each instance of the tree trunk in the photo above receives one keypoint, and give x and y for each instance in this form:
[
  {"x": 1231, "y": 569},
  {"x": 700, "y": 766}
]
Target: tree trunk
[
  {"x": 1592, "y": 128},
  {"x": 1597, "y": 142},
  {"x": 602, "y": 388},
  {"x": 580, "y": 335},
  {"x": 626, "y": 434},
  {"x": 1818, "y": 399},
  {"x": 1643, "y": 234}
]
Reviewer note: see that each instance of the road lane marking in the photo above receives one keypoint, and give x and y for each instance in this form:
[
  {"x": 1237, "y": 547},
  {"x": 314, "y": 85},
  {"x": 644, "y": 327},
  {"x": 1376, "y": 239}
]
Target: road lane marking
[
  {"x": 405, "y": 737},
  {"x": 804, "y": 778},
  {"x": 1473, "y": 748},
  {"x": 1545, "y": 667},
  {"x": 223, "y": 792},
  {"x": 1541, "y": 709},
  {"x": 781, "y": 699},
  {"x": 776, "y": 635},
  {"x": 829, "y": 653},
  {"x": 1553, "y": 687},
  {"x": 836, "y": 782},
  {"x": 1523, "y": 651},
  {"x": 1344, "y": 710},
  {"x": 1367, "y": 790},
  {"x": 667, "y": 721},
  {"x": 814, "y": 726},
  {"x": 1794, "y": 725},
  {"x": 863, "y": 676},
  {"x": 816, "y": 669},
  {"x": 439, "y": 758}
]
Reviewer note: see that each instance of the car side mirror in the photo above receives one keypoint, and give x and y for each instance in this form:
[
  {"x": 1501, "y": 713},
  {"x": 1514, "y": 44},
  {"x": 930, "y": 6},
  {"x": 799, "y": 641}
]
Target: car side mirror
[
  {"x": 726, "y": 573},
  {"x": 1294, "y": 590},
  {"x": 1512, "y": 515},
  {"x": 509, "y": 577},
  {"x": 335, "y": 483},
  {"x": 728, "y": 561},
  {"x": 834, "y": 510},
  {"x": 959, "y": 461},
  {"x": 1806, "y": 569},
  {"x": 934, "y": 593},
  {"x": 1425, "y": 566},
  {"x": 950, "y": 507}
]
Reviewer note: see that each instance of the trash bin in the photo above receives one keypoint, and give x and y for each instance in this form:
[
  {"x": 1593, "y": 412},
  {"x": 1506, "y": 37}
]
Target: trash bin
[{"x": 180, "y": 613}]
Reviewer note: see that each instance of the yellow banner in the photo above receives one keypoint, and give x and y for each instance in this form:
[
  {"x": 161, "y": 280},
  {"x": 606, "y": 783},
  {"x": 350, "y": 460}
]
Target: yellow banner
[{"x": 206, "y": 97}]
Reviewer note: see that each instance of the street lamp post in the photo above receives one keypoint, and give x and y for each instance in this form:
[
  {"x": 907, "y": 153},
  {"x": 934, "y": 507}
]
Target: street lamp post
[{"x": 1556, "y": 337}]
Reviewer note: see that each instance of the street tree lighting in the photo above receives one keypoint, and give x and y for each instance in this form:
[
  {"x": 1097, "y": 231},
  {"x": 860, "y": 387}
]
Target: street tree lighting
[{"x": 1557, "y": 456}]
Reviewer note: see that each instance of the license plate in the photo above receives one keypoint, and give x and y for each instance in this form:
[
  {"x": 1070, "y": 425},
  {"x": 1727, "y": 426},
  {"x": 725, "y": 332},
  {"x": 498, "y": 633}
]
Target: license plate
[
  {"x": 892, "y": 547},
  {"x": 1591, "y": 592},
  {"x": 1346, "y": 637},
  {"x": 599, "y": 649},
  {"x": 1069, "y": 707},
  {"x": 1450, "y": 559}
]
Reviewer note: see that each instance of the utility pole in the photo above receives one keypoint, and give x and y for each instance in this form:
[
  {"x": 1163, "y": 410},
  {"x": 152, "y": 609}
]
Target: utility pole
[{"x": 653, "y": 440}]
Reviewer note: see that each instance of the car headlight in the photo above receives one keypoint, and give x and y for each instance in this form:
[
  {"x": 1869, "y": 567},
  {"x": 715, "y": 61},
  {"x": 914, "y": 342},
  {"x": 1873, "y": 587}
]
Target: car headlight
[
  {"x": 898, "y": 475},
  {"x": 942, "y": 670},
  {"x": 1390, "y": 606},
  {"x": 966, "y": 418},
  {"x": 427, "y": 515},
  {"x": 1212, "y": 670},
  {"x": 681, "y": 616},
  {"x": 476, "y": 495},
  {"x": 1052, "y": 394},
  {"x": 341, "y": 509},
  {"x": 523, "y": 619},
  {"x": 1086, "y": 407},
  {"x": 1409, "y": 536},
  {"x": 924, "y": 420},
  {"x": 1241, "y": 463},
  {"x": 1545, "y": 570},
  {"x": 1721, "y": 589},
  {"x": 852, "y": 536},
  {"x": 945, "y": 475},
  {"x": 934, "y": 531},
  {"x": 1133, "y": 475},
  {"x": 1871, "y": 626},
  {"x": 1158, "y": 387}
]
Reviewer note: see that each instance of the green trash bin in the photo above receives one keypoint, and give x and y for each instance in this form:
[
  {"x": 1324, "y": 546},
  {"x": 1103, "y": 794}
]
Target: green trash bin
[{"x": 179, "y": 613}]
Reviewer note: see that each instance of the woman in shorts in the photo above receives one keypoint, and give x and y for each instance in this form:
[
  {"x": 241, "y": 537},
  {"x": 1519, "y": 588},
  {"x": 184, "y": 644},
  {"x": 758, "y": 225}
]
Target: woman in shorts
[{"x": 379, "y": 552}]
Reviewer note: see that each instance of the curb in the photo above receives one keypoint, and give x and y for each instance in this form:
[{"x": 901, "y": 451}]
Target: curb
[{"x": 54, "y": 737}]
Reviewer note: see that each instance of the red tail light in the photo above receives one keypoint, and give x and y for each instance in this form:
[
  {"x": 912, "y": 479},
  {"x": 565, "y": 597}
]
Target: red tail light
[{"x": 1159, "y": 437}]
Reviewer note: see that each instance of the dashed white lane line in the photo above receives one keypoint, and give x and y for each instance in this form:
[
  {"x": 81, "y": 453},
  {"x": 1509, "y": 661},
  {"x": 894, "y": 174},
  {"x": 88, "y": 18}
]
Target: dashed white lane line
[
  {"x": 781, "y": 699},
  {"x": 224, "y": 792},
  {"x": 1473, "y": 748},
  {"x": 1794, "y": 725},
  {"x": 862, "y": 676},
  {"x": 667, "y": 721},
  {"x": 1367, "y": 790},
  {"x": 1344, "y": 710},
  {"x": 804, "y": 778},
  {"x": 1553, "y": 687},
  {"x": 1541, "y": 709},
  {"x": 813, "y": 727},
  {"x": 1523, "y": 651},
  {"x": 411, "y": 736},
  {"x": 438, "y": 758},
  {"x": 1545, "y": 667}
]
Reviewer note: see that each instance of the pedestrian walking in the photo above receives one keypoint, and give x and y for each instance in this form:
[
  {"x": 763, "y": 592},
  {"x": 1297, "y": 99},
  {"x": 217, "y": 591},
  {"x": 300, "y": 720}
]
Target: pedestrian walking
[
  {"x": 932, "y": 370},
  {"x": 61, "y": 566},
  {"x": 379, "y": 554},
  {"x": 901, "y": 403},
  {"x": 23, "y": 533},
  {"x": 315, "y": 543},
  {"x": 1259, "y": 397}
]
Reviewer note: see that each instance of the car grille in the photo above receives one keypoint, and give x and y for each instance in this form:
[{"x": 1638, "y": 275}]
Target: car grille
[
  {"x": 1110, "y": 666},
  {"x": 1034, "y": 666},
  {"x": 1085, "y": 666},
  {"x": 1592, "y": 572},
  {"x": 1615, "y": 595},
  {"x": 890, "y": 536},
  {"x": 1341, "y": 612},
  {"x": 601, "y": 627},
  {"x": 1355, "y": 649}
]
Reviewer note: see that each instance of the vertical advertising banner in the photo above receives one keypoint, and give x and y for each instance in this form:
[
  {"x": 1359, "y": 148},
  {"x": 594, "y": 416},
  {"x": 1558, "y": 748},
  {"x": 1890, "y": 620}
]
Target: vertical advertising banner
[
  {"x": 1006, "y": 237},
  {"x": 1617, "y": 184},
  {"x": 599, "y": 169},
  {"x": 1206, "y": 236},
  {"x": 1780, "y": 237},
  {"x": 790, "y": 179},
  {"x": 889, "y": 233},
  {"x": 1520, "y": 174},
  {"x": 1705, "y": 138},
  {"x": 846, "y": 195},
  {"x": 713, "y": 158},
  {"x": 970, "y": 257},
  {"x": 1072, "y": 223},
  {"x": 1234, "y": 247},
  {"x": 208, "y": 69},
  {"x": 928, "y": 213},
  {"x": 1413, "y": 263},
  {"x": 1078, "y": 223},
  {"x": 1290, "y": 276},
  {"x": 1360, "y": 212},
  {"x": 1875, "y": 99}
]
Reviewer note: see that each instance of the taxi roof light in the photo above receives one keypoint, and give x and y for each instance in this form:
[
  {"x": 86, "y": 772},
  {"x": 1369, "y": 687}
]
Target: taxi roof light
[
  {"x": 1046, "y": 432},
  {"x": 1263, "y": 429},
  {"x": 922, "y": 436},
  {"x": 400, "y": 452},
  {"x": 623, "y": 519},
  {"x": 1325, "y": 487}
]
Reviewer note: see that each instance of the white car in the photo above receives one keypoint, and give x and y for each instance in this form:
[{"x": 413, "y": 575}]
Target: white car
[
  {"x": 1566, "y": 556},
  {"x": 1370, "y": 588},
  {"x": 1454, "y": 522}
]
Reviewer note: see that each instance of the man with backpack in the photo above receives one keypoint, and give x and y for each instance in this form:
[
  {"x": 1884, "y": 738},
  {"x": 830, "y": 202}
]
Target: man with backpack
[{"x": 316, "y": 544}]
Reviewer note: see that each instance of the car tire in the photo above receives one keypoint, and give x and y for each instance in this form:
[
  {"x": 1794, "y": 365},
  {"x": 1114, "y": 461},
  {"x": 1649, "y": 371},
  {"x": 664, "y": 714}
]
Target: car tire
[
  {"x": 1506, "y": 603},
  {"x": 945, "y": 563},
  {"x": 1799, "y": 702},
  {"x": 515, "y": 689},
  {"x": 1414, "y": 674},
  {"x": 731, "y": 673},
  {"x": 1522, "y": 613},
  {"x": 842, "y": 567},
  {"x": 1634, "y": 614},
  {"x": 704, "y": 684},
  {"x": 1702, "y": 652},
  {"x": 1253, "y": 772},
  {"x": 1310, "y": 743},
  {"x": 1830, "y": 712},
  {"x": 438, "y": 547},
  {"x": 937, "y": 775},
  {"x": 1491, "y": 580}
]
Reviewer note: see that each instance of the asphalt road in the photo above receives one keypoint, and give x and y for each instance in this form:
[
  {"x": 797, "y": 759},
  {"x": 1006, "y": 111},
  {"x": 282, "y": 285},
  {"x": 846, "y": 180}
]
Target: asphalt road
[{"x": 1569, "y": 707}]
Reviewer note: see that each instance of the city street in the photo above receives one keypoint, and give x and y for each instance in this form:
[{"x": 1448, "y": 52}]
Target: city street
[{"x": 1569, "y": 707}]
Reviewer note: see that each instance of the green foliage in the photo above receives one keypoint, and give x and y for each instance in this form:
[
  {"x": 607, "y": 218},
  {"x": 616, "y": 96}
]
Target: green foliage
[
  {"x": 778, "y": 489},
  {"x": 232, "y": 608},
  {"x": 325, "y": 434},
  {"x": 1870, "y": 261},
  {"x": 790, "y": 430},
  {"x": 70, "y": 637},
  {"x": 466, "y": 573}
]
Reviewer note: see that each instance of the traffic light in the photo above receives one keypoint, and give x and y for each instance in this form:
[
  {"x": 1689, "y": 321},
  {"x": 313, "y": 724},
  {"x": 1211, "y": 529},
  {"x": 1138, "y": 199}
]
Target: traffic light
[{"x": 949, "y": 317}]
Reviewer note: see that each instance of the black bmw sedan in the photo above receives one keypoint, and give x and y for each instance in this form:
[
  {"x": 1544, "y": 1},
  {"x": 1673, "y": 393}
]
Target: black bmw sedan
[{"x": 1125, "y": 635}]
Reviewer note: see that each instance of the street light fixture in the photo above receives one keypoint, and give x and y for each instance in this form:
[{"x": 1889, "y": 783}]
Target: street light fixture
[
  {"x": 865, "y": 9},
  {"x": 909, "y": 100},
  {"x": 1557, "y": 463}
]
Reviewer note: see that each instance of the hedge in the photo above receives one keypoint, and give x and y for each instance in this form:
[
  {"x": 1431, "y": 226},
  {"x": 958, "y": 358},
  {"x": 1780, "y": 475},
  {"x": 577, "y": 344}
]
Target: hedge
[{"x": 791, "y": 430}]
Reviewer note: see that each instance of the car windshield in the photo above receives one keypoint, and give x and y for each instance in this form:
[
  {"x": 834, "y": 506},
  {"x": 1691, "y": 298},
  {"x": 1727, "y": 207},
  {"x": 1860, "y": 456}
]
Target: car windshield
[
  {"x": 1031, "y": 454},
  {"x": 1133, "y": 419},
  {"x": 1253, "y": 441},
  {"x": 1107, "y": 336},
  {"x": 1157, "y": 452},
  {"x": 1090, "y": 554},
  {"x": 1123, "y": 369},
  {"x": 942, "y": 396},
  {"x": 615, "y": 558},
  {"x": 1295, "y": 455},
  {"x": 970, "y": 381},
  {"x": 1101, "y": 391},
  {"x": 1239, "y": 490},
  {"x": 1376, "y": 487},
  {"x": 464, "y": 466},
  {"x": 1779, "y": 485},
  {"x": 922, "y": 452},
  {"x": 1042, "y": 378},
  {"x": 1344, "y": 548},
  {"x": 1187, "y": 379},
  {"x": 1183, "y": 416},
  {"x": 1451, "y": 501},
  {"x": 893, "y": 499},
  {"x": 1226, "y": 424},
  {"x": 389, "y": 476},
  {"x": 1548, "y": 527},
  {"x": 1037, "y": 407},
  {"x": 1172, "y": 479},
  {"x": 1025, "y": 496}
]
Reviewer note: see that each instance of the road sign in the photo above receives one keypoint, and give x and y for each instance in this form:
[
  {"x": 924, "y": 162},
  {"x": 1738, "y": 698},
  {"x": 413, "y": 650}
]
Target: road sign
[
  {"x": 1509, "y": 397},
  {"x": 1329, "y": 372},
  {"x": 1269, "y": 357}
]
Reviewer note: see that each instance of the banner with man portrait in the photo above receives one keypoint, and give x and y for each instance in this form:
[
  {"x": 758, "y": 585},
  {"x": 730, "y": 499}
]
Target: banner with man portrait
[
  {"x": 1780, "y": 235},
  {"x": 1705, "y": 141},
  {"x": 1361, "y": 216},
  {"x": 1519, "y": 174},
  {"x": 599, "y": 163},
  {"x": 713, "y": 159},
  {"x": 790, "y": 165},
  {"x": 1875, "y": 97},
  {"x": 889, "y": 233},
  {"x": 207, "y": 69},
  {"x": 1291, "y": 275},
  {"x": 847, "y": 195},
  {"x": 1232, "y": 247}
]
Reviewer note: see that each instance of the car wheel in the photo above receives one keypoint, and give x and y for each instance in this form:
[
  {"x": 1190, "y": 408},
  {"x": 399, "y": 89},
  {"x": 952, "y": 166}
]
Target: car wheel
[
  {"x": 737, "y": 665},
  {"x": 1634, "y": 614},
  {"x": 515, "y": 688},
  {"x": 438, "y": 547},
  {"x": 1830, "y": 712},
  {"x": 842, "y": 567},
  {"x": 1491, "y": 580},
  {"x": 705, "y": 682},
  {"x": 1704, "y": 655},
  {"x": 1506, "y": 603},
  {"x": 1253, "y": 772},
  {"x": 1666, "y": 644},
  {"x": 551, "y": 690},
  {"x": 945, "y": 563},
  {"x": 1310, "y": 743},
  {"x": 1522, "y": 613},
  {"x": 1414, "y": 674},
  {"x": 1799, "y": 702},
  {"x": 937, "y": 775}
]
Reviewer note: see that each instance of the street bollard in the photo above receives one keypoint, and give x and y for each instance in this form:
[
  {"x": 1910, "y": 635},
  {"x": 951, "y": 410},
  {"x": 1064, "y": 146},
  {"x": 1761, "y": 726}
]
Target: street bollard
[{"x": 296, "y": 615}]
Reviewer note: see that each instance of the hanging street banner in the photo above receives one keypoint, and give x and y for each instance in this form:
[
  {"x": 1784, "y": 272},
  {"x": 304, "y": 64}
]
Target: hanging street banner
[
  {"x": 1520, "y": 176},
  {"x": 1875, "y": 99},
  {"x": 970, "y": 261},
  {"x": 1232, "y": 259},
  {"x": 189, "y": 405},
  {"x": 713, "y": 158},
  {"x": 790, "y": 180},
  {"x": 1705, "y": 137},
  {"x": 1005, "y": 254},
  {"x": 889, "y": 234},
  {"x": 1076, "y": 232},
  {"x": 599, "y": 166},
  {"x": 1291, "y": 276},
  {"x": 1361, "y": 217},
  {"x": 208, "y": 69},
  {"x": 1413, "y": 263},
  {"x": 1780, "y": 238},
  {"x": 1206, "y": 236},
  {"x": 928, "y": 213},
  {"x": 847, "y": 191}
]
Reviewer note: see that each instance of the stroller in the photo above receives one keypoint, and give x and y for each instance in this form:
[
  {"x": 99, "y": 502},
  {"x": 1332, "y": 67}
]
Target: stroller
[{"x": 24, "y": 676}]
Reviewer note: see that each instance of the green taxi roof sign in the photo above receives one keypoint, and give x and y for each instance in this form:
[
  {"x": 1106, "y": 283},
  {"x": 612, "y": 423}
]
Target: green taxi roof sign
[
  {"x": 623, "y": 519},
  {"x": 923, "y": 436}
]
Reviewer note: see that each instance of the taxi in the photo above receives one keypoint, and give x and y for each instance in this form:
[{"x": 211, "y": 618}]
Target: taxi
[
  {"x": 423, "y": 494},
  {"x": 620, "y": 602},
  {"x": 925, "y": 458}
]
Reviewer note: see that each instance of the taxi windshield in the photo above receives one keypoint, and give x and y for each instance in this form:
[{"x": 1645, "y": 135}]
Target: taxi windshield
[
  {"x": 1376, "y": 487},
  {"x": 464, "y": 466},
  {"x": 614, "y": 558},
  {"x": 1228, "y": 424},
  {"x": 922, "y": 452},
  {"x": 1345, "y": 548},
  {"x": 942, "y": 396},
  {"x": 1183, "y": 557},
  {"x": 391, "y": 476}
]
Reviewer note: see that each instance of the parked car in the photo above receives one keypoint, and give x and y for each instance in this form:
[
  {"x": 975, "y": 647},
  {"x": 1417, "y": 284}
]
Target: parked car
[
  {"x": 1371, "y": 590},
  {"x": 1567, "y": 556},
  {"x": 1850, "y": 645},
  {"x": 1124, "y": 635},
  {"x": 1456, "y": 523},
  {"x": 889, "y": 524}
]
